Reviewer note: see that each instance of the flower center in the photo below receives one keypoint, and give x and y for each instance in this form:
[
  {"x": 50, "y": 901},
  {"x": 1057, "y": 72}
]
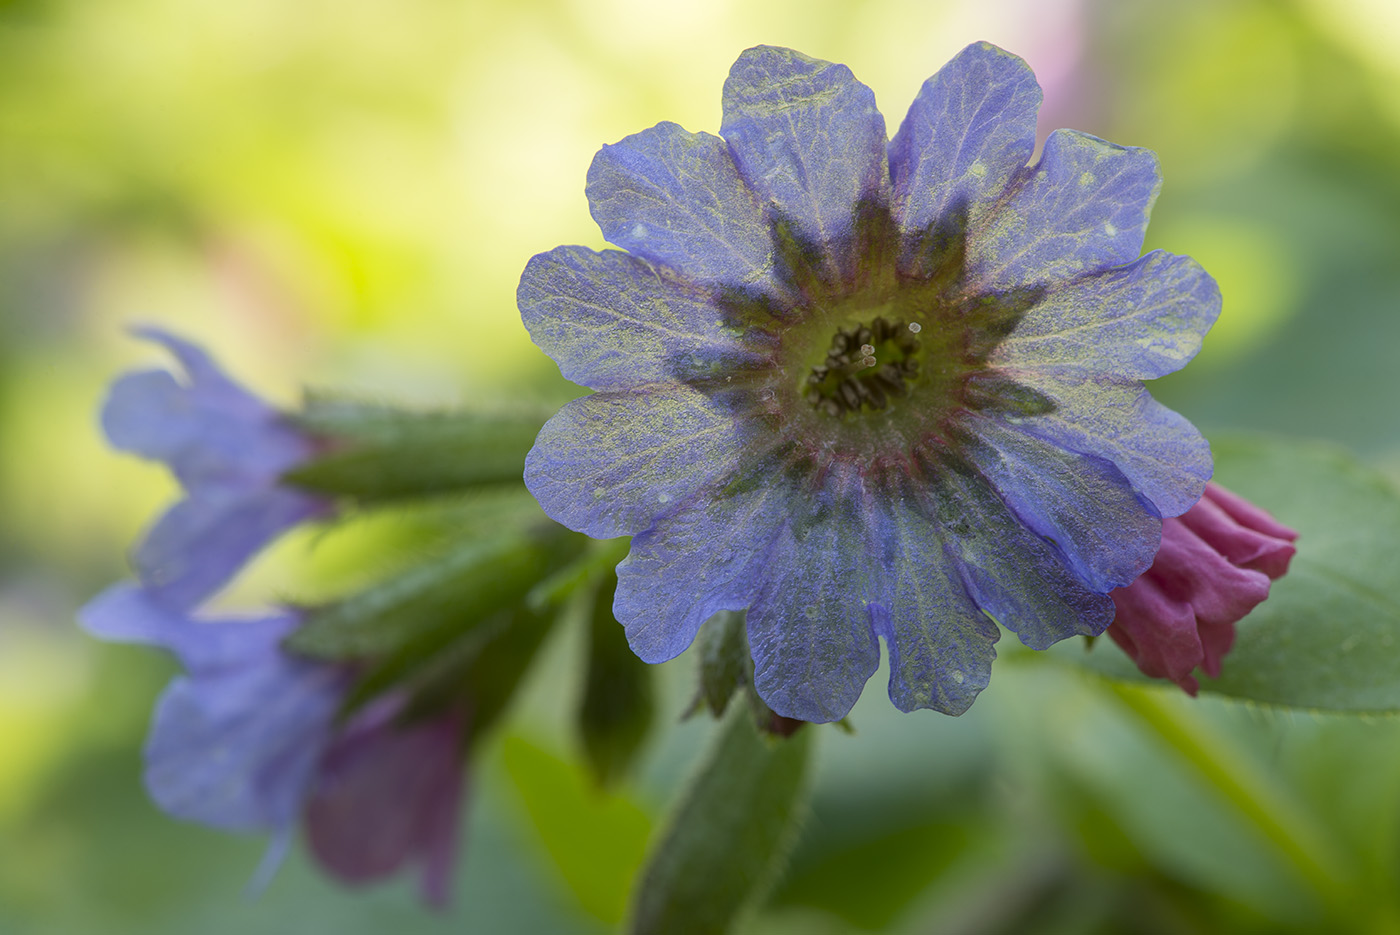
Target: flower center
[{"x": 865, "y": 366}]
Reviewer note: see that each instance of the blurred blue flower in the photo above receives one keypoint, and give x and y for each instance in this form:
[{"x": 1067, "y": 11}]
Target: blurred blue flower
[
  {"x": 867, "y": 388},
  {"x": 249, "y": 739},
  {"x": 236, "y": 740},
  {"x": 228, "y": 449}
]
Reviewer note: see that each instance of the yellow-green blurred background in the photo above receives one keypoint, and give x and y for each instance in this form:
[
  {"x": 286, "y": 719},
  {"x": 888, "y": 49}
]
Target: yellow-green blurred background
[{"x": 344, "y": 193}]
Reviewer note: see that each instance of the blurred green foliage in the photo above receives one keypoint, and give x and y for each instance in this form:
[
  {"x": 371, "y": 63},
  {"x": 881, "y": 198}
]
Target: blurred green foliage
[{"x": 344, "y": 193}]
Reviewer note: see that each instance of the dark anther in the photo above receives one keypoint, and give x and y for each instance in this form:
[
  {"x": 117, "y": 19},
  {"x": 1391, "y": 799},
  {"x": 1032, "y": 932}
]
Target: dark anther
[{"x": 865, "y": 367}]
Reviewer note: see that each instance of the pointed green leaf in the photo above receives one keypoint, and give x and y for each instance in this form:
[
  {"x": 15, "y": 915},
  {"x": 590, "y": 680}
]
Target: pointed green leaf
[
  {"x": 618, "y": 706},
  {"x": 488, "y": 682},
  {"x": 596, "y": 842},
  {"x": 729, "y": 834},
  {"x": 725, "y": 663},
  {"x": 433, "y": 601},
  {"x": 377, "y": 453}
]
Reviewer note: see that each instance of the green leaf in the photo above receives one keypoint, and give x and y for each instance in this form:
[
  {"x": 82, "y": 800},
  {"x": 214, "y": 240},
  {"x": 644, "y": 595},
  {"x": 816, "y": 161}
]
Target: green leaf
[
  {"x": 725, "y": 663},
  {"x": 432, "y": 668},
  {"x": 598, "y": 560},
  {"x": 618, "y": 706},
  {"x": 726, "y": 666},
  {"x": 728, "y": 835},
  {"x": 1328, "y": 637},
  {"x": 431, "y": 602},
  {"x": 489, "y": 680},
  {"x": 596, "y": 841},
  {"x": 377, "y": 453}
]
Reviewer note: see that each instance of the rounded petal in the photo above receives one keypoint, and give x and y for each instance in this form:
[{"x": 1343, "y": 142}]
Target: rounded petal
[
  {"x": 807, "y": 137},
  {"x": 705, "y": 557},
  {"x": 1011, "y": 573},
  {"x": 237, "y": 749},
  {"x": 1158, "y": 633},
  {"x": 1082, "y": 209},
  {"x": 1244, "y": 533},
  {"x": 811, "y": 619},
  {"x": 1163, "y": 456},
  {"x": 608, "y": 464},
  {"x": 208, "y": 430},
  {"x": 967, "y": 134},
  {"x": 1082, "y": 504},
  {"x": 611, "y": 320},
  {"x": 941, "y": 644},
  {"x": 1191, "y": 571},
  {"x": 675, "y": 197},
  {"x": 234, "y": 742},
  {"x": 1140, "y": 321}
]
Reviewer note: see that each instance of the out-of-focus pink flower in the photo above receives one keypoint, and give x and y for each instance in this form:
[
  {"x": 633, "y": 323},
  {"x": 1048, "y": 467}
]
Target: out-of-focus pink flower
[
  {"x": 388, "y": 795},
  {"x": 1214, "y": 566}
]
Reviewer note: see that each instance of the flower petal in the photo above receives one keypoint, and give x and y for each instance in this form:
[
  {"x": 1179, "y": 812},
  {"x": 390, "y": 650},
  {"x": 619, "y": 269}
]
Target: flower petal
[
  {"x": 807, "y": 136},
  {"x": 1160, "y": 452},
  {"x": 608, "y": 464},
  {"x": 811, "y": 625},
  {"x": 969, "y": 131},
  {"x": 1244, "y": 533},
  {"x": 234, "y": 742},
  {"x": 1190, "y": 570},
  {"x": 703, "y": 558},
  {"x": 1082, "y": 504},
  {"x": 613, "y": 321},
  {"x": 941, "y": 645},
  {"x": 128, "y": 613},
  {"x": 676, "y": 198},
  {"x": 1082, "y": 209},
  {"x": 208, "y": 430},
  {"x": 1213, "y": 568},
  {"x": 202, "y": 541},
  {"x": 205, "y": 376},
  {"x": 1158, "y": 632},
  {"x": 1140, "y": 321},
  {"x": 238, "y": 751},
  {"x": 1012, "y": 574}
]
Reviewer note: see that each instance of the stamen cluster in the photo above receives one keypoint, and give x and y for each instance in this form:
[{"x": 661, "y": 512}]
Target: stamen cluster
[{"x": 866, "y": 365}]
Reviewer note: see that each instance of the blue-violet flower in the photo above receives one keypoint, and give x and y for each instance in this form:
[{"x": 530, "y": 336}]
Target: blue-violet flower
[
  {"x": 229, "y": 450},
  {"x": 250, "y": 738},
  {"x": 869, "y": 388}
]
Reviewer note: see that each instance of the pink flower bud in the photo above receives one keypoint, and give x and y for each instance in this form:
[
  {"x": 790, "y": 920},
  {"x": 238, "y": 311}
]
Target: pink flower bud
[{"x": 1214, "y": 566}]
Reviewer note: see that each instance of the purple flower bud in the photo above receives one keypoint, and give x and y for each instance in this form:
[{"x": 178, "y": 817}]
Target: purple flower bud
[
  {"x": 229, "y": 451},
  {"x": 388, "y": 794},
  {"x": 1214, "y": 567}
]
